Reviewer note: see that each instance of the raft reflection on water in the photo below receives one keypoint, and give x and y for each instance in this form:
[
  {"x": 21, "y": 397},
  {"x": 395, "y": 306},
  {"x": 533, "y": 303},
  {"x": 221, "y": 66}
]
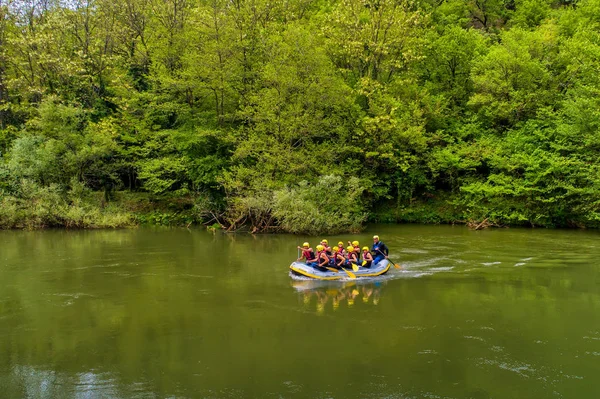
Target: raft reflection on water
[{"x": 348, "y": 293}]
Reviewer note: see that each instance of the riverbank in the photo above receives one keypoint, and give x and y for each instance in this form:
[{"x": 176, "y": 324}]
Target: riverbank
[{"x": 50, "y": 209}]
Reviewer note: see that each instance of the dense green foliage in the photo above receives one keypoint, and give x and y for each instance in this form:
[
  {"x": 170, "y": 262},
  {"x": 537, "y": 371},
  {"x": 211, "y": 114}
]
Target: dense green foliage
[{"x": 302, "y": 115}]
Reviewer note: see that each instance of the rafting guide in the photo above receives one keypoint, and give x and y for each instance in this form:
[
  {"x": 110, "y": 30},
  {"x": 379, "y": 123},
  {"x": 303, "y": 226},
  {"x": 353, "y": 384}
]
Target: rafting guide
[{"x": 336, "y": 263}]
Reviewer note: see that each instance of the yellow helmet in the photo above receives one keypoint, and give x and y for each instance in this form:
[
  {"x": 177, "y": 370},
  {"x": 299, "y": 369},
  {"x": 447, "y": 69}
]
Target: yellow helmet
[
  {"x": 365, "y": 248},
  {"x": 325, "y": 241},
  {"x": 320, "y": 247},
  {"x": 350, "y": 248},
  {"x": 376, "y": 237},
  {"x": 341, "y": 244},
  {"x": 355, "y": 243},
  {"x": 305, "y": 245}
]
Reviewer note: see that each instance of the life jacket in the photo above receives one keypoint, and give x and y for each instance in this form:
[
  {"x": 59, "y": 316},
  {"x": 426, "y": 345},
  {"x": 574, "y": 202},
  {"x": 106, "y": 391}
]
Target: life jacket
[
  {"x": 377, "y": 248},
  {"x": 353, "y": 257},
  {"x": 308, "y": 254},
  {"x": 365, "y": 258},
  {"x": 319, "y": 259}
]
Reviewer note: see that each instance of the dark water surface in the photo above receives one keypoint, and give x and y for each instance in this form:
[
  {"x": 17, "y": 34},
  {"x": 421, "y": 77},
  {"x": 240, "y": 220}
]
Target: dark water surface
[{"x": 509, "y": 313}]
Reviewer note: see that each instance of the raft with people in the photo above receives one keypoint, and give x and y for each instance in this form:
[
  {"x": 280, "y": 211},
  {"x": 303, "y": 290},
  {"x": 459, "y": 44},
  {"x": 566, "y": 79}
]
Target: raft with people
[{"x": 342, "y": 262}]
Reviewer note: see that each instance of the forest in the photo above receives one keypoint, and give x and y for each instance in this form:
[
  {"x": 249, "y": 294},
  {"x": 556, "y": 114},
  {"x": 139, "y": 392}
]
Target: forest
[{"x": 299, "y": 116}]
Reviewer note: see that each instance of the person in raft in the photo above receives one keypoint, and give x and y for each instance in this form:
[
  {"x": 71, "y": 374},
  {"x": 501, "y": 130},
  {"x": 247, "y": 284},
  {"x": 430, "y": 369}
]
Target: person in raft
[
  {"x": 332, "y": 255},
  {"x": 307, "y": 254},
  {"x": 367, "y": 258},
  {"x": 326, "y": 247},
  {"x": 322, "y": 258},
  {"x": 379, "y": 250},
  {"x": 356, "y": 246},
  {"x": 340, "y": 259},
  {"x": 341, "y": 247},
  {"x": 352, "y": 256}
]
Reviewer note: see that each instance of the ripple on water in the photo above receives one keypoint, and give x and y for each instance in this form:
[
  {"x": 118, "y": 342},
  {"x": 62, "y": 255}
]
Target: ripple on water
[
  {"x": 414, "y": 251},
  {"x": 427, "y": 262},
  {"x": 524, "y": 370},
  {"x": 474, "y": 338},
  {"x": 441, "y": 269},
  {"x": 592, "y": 338},
  {"x": 191, "y": 275}
]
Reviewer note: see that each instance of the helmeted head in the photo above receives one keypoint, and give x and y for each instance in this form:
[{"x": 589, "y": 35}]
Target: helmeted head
[
  {"x": 341, "y": 244},
  {"x": 324, "y": 241},
  {"x": 355, "y": 243},
  {"x": 305, "y": 245},
  {"x": 376, "y": 239},
  {"x": 350, "y": 248},
  {"x": 366, "y": 249},
  {"x": 320, "y": 247}
]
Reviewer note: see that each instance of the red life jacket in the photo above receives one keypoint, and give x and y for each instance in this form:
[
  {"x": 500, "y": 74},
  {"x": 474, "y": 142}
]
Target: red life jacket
[
  {"x": 353, "y": 257},
  {"x": 319, "y": 259},
  {"x": 308, "y": 254}
]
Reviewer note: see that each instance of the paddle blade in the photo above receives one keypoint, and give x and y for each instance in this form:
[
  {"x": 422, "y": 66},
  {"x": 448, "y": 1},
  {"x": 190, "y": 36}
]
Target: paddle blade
[
  {"x": 354, "y": 267},
  {"x": 349, "y": 273},
  {"x": 397, "y": 266}
]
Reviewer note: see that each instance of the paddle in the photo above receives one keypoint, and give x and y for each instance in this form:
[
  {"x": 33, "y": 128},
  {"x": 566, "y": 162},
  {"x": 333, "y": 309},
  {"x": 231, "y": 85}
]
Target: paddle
[
  {"x": 397, "y": 266},
  {"x": 352, "y": 275},
  {"x": 349, "y": 273}
]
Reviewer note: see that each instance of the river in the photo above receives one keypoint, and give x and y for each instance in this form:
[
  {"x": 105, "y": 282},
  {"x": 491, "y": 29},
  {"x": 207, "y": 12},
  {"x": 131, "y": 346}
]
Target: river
[{"x": 176, "y": 313}]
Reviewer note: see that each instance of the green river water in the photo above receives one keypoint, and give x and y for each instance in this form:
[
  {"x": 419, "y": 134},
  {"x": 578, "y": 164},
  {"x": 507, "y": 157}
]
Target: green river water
[{"x": 176, "y": 313}]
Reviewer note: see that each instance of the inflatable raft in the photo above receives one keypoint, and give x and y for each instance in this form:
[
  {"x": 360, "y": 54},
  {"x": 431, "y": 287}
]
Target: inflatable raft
[{"x": 303, "y": 269}]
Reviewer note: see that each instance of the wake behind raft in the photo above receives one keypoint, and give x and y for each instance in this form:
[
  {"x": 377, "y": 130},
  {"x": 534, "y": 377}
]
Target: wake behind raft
[{"x": 302, "y": 269}]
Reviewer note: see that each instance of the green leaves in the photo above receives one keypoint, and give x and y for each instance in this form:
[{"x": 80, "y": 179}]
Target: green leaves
[
  {"x": 514, "y": 79},
  {"x": 331, "y": 205},
  {"x": 490, "y": 107}
]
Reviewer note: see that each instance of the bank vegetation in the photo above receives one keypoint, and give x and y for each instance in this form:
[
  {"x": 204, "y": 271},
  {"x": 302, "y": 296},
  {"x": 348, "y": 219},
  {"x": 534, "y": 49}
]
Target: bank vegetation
[{"x": 302, "y": 116}]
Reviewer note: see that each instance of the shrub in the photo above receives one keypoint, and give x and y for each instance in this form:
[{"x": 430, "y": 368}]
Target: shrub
[{"x": 331, "y": 205}]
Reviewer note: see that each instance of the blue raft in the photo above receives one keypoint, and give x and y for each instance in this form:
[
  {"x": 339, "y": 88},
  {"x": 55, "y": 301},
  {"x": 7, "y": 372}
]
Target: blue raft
[{"x": 305, "y": 270}]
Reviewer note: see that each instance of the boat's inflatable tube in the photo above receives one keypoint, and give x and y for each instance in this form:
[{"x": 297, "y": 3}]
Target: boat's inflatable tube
[{"x": 308, "y": 271}]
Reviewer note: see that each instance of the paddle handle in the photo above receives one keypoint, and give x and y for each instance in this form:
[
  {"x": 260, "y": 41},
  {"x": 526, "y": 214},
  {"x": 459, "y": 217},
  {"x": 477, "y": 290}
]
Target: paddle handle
[
  {"x": 397, "y": 266},
  {"x": 382, "y": 253}
]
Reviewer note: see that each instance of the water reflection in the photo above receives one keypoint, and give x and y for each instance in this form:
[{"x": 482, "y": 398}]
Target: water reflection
[{"x": 330, "y": 295}]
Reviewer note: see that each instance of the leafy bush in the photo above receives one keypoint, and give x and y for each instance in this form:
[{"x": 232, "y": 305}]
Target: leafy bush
[
  {"x": 34, "y": 206},
  {"x": 330, "y": 205}
]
